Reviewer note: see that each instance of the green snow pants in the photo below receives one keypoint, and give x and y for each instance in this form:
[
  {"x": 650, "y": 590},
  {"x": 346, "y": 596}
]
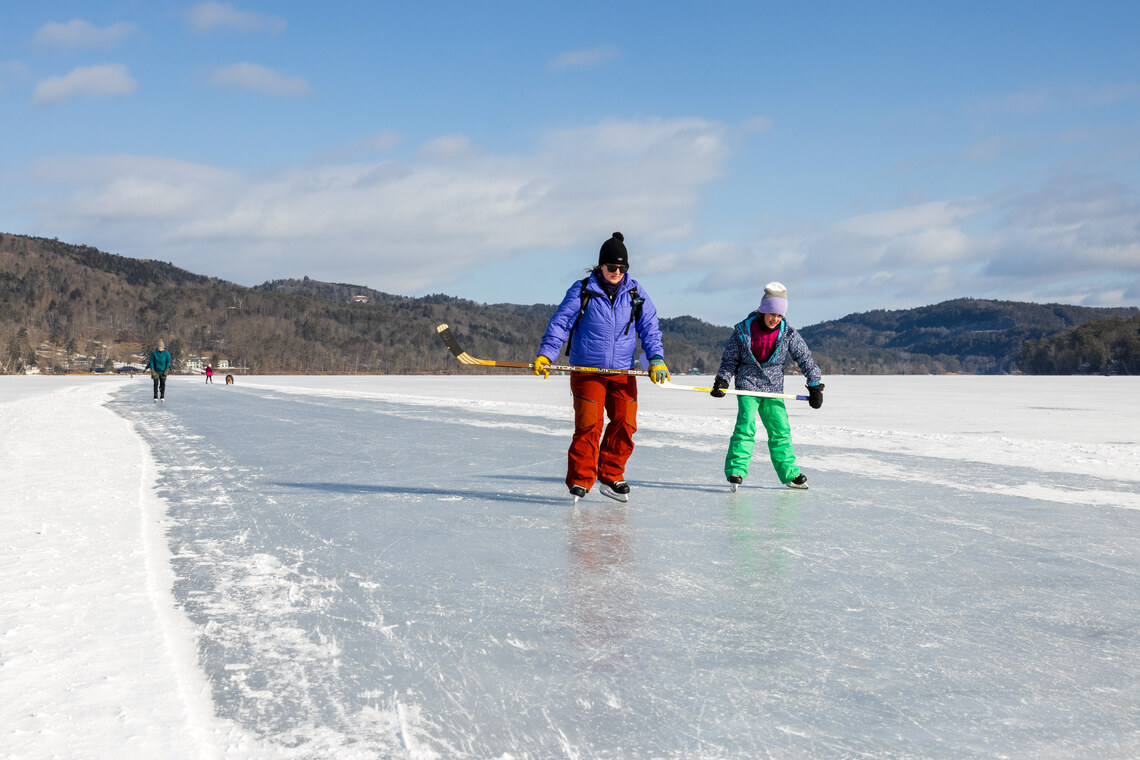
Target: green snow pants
[{"x": 774, "y": 415}]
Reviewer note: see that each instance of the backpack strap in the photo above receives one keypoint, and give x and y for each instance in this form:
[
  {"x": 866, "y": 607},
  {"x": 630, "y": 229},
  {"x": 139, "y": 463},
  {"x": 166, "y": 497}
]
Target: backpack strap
[
  {"x": 634, "y": 313},
  {"x": 586, "y": 295}
]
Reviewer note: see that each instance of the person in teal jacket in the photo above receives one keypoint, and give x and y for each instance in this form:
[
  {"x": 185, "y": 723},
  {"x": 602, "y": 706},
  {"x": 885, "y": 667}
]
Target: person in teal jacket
[{"x": 159, "y": 363}]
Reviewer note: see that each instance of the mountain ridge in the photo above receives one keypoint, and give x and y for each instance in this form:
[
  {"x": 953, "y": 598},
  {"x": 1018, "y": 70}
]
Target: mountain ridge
[
  {"x": 59, "y": 301},
  {"x": 974, "y": 336}
]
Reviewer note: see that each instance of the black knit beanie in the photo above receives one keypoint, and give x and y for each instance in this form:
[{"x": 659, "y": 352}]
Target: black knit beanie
[{"x": 613, "y": 251}]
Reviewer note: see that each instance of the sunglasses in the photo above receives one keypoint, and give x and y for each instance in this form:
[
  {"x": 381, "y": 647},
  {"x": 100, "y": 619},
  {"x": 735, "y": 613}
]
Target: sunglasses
[{"x": 623, "y": 268}]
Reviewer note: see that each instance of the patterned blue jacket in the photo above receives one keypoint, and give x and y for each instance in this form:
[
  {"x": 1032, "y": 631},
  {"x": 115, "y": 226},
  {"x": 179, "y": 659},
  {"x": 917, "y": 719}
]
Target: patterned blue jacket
[{"x": 768, "y": 377}]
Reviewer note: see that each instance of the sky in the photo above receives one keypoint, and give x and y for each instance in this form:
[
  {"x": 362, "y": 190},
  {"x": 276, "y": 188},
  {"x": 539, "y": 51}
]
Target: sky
[{"x": 867, "y": 155}]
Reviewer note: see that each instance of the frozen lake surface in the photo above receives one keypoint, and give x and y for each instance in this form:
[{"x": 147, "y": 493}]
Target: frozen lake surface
[
  {"x": 406, "y": 576},
  {"x": 391, "y": 568}
]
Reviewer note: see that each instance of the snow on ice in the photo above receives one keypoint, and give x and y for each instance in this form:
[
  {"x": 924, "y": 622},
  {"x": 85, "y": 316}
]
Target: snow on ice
[{"x": 374, "y": 567}]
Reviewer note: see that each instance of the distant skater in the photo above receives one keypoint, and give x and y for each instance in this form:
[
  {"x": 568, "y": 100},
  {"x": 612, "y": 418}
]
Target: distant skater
[
  {"x": 756, "y": 354},
  {"x": 229, "y": 379},
  {"x": 209, "y": 374},
  {"x": 159, "y": 363},
  {"x": 600, "y": 319}
]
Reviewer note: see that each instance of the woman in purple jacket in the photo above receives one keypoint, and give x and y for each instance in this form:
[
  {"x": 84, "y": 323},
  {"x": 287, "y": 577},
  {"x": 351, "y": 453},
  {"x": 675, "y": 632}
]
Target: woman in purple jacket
[{"x": 601, "y": 318}]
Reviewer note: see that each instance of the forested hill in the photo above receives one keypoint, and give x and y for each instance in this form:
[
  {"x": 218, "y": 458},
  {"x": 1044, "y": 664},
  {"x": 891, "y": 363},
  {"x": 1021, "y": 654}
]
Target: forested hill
[
  {"x": 65, "y": 306},
  {"x": 59, "y": 301},
  {"x": 330, "y": 291},
  {"x": 964, "y": 335}
]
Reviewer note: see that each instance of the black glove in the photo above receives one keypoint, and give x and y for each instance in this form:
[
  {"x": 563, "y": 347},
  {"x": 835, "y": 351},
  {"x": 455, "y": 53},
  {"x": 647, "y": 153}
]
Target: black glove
[
  {"x": 719, "y": 386},
  {"x": 815, "y": 396}
]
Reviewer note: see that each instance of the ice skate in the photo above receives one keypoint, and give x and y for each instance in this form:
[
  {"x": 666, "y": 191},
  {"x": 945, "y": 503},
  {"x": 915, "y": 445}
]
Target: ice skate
[{"x": 618, "y": 490}]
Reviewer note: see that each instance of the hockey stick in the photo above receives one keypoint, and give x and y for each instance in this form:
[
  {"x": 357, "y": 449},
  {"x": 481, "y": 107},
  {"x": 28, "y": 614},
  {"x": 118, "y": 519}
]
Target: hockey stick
[
  {"x": 453, "y": 345},
  {"x": 733, "y": 392},
  {"x": 466, "y": 358}
]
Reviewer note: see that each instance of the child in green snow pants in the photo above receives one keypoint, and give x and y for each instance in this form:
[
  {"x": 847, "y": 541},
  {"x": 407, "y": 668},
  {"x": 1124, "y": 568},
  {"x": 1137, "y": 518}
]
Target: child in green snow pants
[
  {"x": 774, "y": 415},
  {"x": 755, "y": 355}
]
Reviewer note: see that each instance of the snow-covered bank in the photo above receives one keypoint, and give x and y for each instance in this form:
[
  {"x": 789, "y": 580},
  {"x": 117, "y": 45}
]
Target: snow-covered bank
[{"x": 95, "y": 660}]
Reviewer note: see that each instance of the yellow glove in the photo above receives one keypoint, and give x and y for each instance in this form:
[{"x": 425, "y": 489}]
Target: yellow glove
[
  {"x": 658, "y": 372},
  {"x": 541, "y": 366}
]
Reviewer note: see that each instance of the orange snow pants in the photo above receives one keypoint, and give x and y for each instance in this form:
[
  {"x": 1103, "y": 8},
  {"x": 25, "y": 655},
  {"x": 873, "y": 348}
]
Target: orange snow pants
[{"x": 595, "y": 398}]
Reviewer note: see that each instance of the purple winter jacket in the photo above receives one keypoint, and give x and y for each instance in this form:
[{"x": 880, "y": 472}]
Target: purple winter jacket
[
  {"x": 768, "y": 377},
  {"x": 605, "y": 337}
]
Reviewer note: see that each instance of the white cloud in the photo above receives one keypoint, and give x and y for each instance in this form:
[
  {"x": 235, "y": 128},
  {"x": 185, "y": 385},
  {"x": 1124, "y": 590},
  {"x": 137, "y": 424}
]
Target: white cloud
[
  {"x": 1069, "y": 225},
  {"x": 258, "y": 78},
  {"x": 584, "y": 59},
  {"x": 992, "y": 148},
  {"x": 80, "y": 34},
  {"x": 1074, "y": 239},
  {"x": 634, "y": 155},
  {"x": 884, "y": 224},
  {"x": 211, "y": 16},
  {"x": 1029, "y": 101},
  {"x": 757, "y": 124},
  {"x": 433, "y": 225},
  {"x": 100, "y": 81},
  {"x": 998, "y": 146},
  {"x": 1110, "y": 93},
  {"x": 378, "y": 142},
  {"x": 446, "y": 148},
  {"x": 1038, "y": 100},
  {"x": 409, "y": 226}
]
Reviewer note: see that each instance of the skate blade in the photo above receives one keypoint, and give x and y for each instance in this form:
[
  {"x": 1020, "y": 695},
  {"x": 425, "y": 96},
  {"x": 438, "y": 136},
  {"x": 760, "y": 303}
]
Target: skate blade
[{"x": 733, "y": 486}]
